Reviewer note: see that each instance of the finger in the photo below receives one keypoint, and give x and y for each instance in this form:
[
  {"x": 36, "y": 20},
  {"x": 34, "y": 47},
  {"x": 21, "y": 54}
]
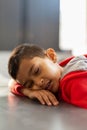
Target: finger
[
  {"x": 39, "y": 97},
  {"x": 53, "y": 99},
  {"x": 46, "y": 99}
]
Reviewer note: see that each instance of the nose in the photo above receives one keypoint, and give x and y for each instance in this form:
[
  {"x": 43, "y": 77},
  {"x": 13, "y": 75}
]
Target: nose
[{"x": 39, "y": 82}]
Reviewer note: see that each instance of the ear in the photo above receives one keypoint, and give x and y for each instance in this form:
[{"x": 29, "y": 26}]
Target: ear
[{"x": 50, "y": 53}]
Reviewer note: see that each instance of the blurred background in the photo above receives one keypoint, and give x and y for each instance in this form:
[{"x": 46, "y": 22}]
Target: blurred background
[
  {"x": 33, "y": 21},
  {"x": 60, "y": 24}
]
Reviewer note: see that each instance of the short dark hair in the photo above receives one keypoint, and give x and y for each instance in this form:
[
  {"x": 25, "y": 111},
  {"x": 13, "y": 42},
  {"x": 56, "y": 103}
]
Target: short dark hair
[{"x": 23, "y": 51}]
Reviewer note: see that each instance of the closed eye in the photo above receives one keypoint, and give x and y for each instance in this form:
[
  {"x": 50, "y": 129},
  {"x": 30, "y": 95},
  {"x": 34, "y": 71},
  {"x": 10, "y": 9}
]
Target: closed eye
[{"x": 36, "y": 71}]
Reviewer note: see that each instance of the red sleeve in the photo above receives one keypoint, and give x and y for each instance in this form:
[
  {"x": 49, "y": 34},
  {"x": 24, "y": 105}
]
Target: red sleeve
[
  {"x": 15, "y": 88},
  {"x": 74, "y": 88}
]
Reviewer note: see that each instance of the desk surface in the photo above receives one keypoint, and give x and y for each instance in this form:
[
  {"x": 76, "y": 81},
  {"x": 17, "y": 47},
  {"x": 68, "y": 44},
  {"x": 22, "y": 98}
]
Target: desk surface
[{"x": 23, "y": 114}]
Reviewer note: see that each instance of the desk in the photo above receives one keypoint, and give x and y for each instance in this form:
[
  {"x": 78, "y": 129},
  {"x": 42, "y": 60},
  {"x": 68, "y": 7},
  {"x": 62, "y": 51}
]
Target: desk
[{"x": 20, "y": 113}]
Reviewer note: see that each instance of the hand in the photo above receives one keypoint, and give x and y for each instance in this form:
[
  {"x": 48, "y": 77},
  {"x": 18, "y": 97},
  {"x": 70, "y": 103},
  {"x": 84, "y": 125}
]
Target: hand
[{"x": 44, "y": 96}]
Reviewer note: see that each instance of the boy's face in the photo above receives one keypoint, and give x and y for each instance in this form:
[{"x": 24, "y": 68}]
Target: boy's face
[{"x": 40, "y": 73}]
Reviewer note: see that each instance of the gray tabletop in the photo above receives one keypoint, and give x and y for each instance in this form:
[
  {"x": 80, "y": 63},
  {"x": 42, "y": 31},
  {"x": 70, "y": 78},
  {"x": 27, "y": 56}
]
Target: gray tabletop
[{"x": 24, "y": 114}]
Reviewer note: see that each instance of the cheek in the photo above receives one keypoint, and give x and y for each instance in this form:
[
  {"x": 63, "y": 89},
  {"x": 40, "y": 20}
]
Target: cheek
[
  {"x": 50, "y": 69},
  {"x": 55, "y": 75},
  {"x": 51, "y": 73}
]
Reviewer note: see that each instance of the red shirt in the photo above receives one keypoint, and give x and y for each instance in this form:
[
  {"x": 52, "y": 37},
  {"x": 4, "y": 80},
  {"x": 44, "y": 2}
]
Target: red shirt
[{"x": 74, "y": 86}]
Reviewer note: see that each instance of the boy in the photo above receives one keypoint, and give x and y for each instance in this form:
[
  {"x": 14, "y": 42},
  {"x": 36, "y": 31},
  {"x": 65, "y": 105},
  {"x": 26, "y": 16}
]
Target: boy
[{"x": 36, "y": 74}]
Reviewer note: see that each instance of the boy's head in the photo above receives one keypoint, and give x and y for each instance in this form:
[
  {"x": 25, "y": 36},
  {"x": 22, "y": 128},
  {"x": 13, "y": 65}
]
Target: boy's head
[
  {"x": 35, "y": 67},
  {"x": 21, "y": 52}
]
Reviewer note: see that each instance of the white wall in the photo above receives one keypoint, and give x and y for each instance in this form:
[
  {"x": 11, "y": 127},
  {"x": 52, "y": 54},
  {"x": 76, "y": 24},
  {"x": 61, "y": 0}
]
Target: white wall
[{"x": 73, "y": 26}]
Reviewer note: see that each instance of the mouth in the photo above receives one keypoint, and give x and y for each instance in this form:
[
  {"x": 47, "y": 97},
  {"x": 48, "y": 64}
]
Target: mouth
[{"x": 48, "y": 85}]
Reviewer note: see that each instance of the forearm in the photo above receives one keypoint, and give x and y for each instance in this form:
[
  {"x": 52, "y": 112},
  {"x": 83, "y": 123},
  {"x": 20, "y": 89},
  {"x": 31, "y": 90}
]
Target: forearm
[
  {"x": 27, "y": 92},
  {"x": 44, "y": 96}
]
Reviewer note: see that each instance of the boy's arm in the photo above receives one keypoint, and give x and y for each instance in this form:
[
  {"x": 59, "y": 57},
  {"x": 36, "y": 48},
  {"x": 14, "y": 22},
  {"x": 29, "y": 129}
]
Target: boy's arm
[
  {"x": 74, "y": 88},
  {"x": 44, "y": 96}
]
